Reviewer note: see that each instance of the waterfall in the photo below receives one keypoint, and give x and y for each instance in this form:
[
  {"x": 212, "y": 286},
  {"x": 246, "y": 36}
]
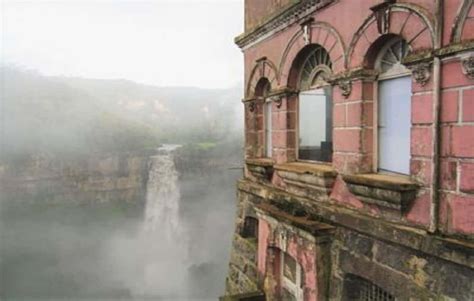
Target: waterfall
[
  {"x": 165, "y": 262},
  {"x": 162, "y": 199}
]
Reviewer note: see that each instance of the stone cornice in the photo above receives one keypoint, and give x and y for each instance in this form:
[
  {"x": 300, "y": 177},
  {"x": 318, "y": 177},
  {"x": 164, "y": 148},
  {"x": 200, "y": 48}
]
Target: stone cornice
[
  {"x": 291, "y": 15},
  {"x": 459, "y": 251},
  {"x": 353, "y": 74},
  {"x": 273, "y": 94},
  {"x": 283, "y": 92},
  {"x": 454, "y": 49}
]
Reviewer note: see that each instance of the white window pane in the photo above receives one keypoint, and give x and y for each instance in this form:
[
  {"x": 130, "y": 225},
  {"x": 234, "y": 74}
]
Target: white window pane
[
  {"x": 268, "y": 129},
  {"x": 394, "y": 124},
  {"x": 315, "y": 126}
]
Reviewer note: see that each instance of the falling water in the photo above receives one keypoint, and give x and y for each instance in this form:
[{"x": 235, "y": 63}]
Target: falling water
[
  {"x": 162, "y": 200},
  {"x": 165, "y": 239}
]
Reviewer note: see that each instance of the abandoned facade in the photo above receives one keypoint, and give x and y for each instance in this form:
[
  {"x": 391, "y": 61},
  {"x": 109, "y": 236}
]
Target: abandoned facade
[{"x": 359, "y": 152}]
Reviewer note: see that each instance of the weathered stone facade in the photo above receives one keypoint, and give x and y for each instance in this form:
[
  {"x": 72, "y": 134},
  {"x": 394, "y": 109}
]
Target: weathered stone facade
[{"x": 346, "y": 225}]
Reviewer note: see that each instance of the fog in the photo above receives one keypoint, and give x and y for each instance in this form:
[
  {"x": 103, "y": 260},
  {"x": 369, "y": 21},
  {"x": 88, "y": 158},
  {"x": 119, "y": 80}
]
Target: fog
[
  {"x": 117, "y": 183},
  {"x": 62, "y": 239}
]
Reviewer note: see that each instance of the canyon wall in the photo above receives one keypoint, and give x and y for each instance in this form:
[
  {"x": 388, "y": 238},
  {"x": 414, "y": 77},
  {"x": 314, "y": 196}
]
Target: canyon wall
[{"x": 85, "y": 180}]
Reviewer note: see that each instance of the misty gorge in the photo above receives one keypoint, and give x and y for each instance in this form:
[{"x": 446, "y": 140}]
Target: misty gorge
[{"x": 112, "y": 189}]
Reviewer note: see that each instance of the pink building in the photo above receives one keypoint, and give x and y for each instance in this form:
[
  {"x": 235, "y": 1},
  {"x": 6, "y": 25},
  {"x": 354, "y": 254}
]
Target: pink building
[{"x": 359, "y": 126}]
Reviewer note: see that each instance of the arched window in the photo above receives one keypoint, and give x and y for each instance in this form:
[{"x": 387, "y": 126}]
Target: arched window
[
  {"x": 394, "y": 108},
  {"x": 315, "y": 107},
  {"x": 262, "y": 90}
]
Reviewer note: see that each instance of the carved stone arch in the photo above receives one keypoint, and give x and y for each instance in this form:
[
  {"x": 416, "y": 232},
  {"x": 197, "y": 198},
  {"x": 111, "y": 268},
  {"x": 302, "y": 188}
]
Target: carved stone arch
[
  {"x": 320, "y": 33},
  {"x": 264, "y": 68},
  {"x": 409, "y": 21},
  {"x": 463, "y": 27}
]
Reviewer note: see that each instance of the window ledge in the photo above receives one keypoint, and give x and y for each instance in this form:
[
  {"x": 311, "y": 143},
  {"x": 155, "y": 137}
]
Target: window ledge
[
  {"x": 307, "y": 179},
  {"x": 256, "y": 296},
  {"x": 264, "y": 162},
  {"x": 385, "y": 191},
  {"x": 315, "y": 169},
  {"x": 261, "y": 168},
  {"x": 305, "y": 223}
]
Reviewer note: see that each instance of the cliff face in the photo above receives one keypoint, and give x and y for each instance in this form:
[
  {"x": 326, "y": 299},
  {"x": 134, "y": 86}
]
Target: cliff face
[
  {"x": 86, "y": 180},
  {"x": 75, "y": 227}
]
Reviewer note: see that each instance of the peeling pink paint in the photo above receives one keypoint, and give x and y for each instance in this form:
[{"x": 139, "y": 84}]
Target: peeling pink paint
[
  {"x": 277, "y": 180},
  {"x": 342, "y": 194},
  {"x": 308, "y": 262},
  {"x": 420, "y": 211},
  {"x": 263, "y": 234},
  {"x": 304, "y": 253}
]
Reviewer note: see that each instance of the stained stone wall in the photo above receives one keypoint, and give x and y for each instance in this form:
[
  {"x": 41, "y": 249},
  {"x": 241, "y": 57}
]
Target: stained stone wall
[
  {"x": 406, "y": 263},
  {"x": 243, "y": 276},
  {"x": 93, "y": 179}
]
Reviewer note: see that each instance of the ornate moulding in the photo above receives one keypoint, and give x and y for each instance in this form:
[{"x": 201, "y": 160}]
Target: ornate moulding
[
  {"x": 293, "y": 14},
  {"x": 346, "y": 87},
  {"x": 468, "y": 66},
  {"x": 421, "y": 72},
  {"x": 250, "y": 103},
  {"x": 344, "y": 80},
  {"x": 278, "y": 95}
]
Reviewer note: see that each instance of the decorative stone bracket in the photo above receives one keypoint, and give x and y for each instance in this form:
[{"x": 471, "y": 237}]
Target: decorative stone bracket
[
  {"x": 261, "y": 168},
  {"x": 250, "y": 102},
  {"x": 252, "y": 106},
  {"x": 468, "y": 66},
  {"x": 277, "y": 99},
  {"x": 421, "y": 72},
  {"x": 344, "y": 80},
  {"x": 384, "y": 191},
  {"x": 309, "y": 180},
  {"x": 346, "y": 87},
  {"x": 277, "y": 95},
  {"x": 345, "y": 84}
]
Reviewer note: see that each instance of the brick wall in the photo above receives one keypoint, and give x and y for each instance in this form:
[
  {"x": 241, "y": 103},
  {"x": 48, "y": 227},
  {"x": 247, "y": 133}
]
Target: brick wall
[
  {"x": 457, "y": 149},
  {"x": 352, "y": 50},
  {"x": 410, "y": 235}
]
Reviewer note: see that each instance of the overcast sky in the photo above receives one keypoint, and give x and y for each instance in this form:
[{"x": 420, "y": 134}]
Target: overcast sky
[{"x": 159, "y": 42}]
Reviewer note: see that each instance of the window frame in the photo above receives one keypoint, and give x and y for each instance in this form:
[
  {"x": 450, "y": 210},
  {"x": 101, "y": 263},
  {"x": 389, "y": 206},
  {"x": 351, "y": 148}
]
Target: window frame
[
  {"x": 320, "y": 71},
  {"x": 262, "y": 93},
  {"x": 295, "y": 288},
  {"x": 325, "y": 87},
  {"x": 376, "y": 103},
  {"x": 268, "y": 104}
]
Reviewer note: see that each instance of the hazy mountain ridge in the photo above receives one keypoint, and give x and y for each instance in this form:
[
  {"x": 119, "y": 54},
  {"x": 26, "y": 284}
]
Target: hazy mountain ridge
[
  {"x": 73, "y": 115},
  {"x": 181, "y": 103}
]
